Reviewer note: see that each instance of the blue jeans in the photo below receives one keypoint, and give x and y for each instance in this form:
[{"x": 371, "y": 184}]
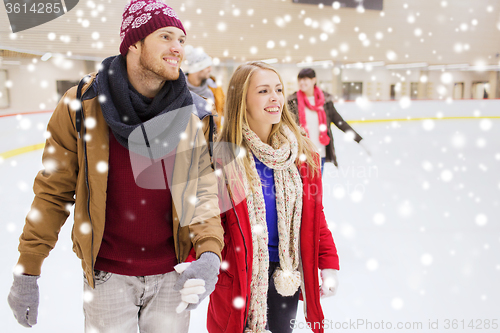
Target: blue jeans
[
  {"x": 122, "y": 304},
  {"x": 322, "y": 164}
]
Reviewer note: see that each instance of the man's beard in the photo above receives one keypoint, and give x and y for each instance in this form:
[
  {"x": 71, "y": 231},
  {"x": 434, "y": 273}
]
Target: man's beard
[{"x": 152, "y": 66}]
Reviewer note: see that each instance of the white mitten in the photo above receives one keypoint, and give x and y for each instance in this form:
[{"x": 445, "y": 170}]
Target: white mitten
[
  {"x": 191, "y": 290},
  {"x": 330, "y": 282}
]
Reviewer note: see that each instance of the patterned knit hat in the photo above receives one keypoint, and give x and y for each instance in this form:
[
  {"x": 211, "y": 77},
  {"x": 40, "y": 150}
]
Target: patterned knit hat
[
  {"x": 196, "y": 59},
  {"x": 142, "y": 17}
]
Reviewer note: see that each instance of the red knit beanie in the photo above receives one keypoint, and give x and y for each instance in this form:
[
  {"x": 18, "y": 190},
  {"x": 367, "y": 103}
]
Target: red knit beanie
[{"x": 142, "y": 17}]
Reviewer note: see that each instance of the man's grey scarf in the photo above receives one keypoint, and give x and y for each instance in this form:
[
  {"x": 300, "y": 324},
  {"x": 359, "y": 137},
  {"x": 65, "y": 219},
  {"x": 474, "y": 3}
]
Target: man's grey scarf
[{"x": 124, "y": 109}]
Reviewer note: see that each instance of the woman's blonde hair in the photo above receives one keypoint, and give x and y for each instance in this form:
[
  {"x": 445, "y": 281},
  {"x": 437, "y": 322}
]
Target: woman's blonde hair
[{"x": 235, "y": 115}]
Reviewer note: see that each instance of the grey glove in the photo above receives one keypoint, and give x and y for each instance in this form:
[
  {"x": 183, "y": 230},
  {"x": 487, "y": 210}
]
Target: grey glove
[
  {"x": 23, "y": 299},
  {"x": 206, "y": 268}
]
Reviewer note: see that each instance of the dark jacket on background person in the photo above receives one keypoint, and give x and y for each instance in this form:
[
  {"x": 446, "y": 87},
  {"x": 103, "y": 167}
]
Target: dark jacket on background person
[
  {"x": 77, "y": 179},
  {"x": 332, "y": 116},
  {"x": 317, "y": 251}
]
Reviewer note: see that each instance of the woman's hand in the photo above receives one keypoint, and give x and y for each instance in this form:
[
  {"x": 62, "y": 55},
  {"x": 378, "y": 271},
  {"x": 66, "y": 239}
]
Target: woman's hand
[{"x": 330, "y": 282}]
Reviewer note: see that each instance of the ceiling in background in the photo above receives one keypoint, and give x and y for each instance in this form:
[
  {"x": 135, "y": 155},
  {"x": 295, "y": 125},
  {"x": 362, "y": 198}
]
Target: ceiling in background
[{"x": 414, "y": 31}]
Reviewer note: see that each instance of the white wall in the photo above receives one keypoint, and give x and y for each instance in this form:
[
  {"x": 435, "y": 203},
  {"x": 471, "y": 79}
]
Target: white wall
[{"x": 34, "y": 84}]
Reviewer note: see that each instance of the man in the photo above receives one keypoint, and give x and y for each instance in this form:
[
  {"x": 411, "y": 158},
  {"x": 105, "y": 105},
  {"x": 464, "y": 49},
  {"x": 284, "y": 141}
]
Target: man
[
  {"x": 198, "y": 66},
  {"x": 314, "y": 111},
  {"x": 134, "y": 161}
]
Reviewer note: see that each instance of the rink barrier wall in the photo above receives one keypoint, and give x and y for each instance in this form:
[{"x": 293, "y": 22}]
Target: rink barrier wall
[
  {"x": 417, "y": 119},
  {"x": 30, "y": 148},
  {"x": 25, "y": 113}
]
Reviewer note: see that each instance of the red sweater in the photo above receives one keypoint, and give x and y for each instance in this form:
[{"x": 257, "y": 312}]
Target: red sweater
[{"x": 138, "y": 235}]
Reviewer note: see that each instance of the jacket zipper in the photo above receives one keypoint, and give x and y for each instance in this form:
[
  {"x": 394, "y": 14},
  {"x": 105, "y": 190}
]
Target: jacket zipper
[{"x": 88, "y": 187}]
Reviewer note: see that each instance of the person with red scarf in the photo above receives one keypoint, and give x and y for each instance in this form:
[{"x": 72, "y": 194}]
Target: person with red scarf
[{"x": 314, "y": 112}]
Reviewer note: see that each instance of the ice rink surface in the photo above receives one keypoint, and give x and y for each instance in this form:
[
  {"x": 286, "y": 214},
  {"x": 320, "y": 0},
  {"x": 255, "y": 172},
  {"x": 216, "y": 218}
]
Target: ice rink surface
[{"x": 416, "y": 224}]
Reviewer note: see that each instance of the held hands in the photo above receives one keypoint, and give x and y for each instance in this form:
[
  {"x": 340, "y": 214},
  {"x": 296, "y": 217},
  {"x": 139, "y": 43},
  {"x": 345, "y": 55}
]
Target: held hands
[
  {"x": 330, "y": 282},
  {"x": 24, "y": 298},
  {"x": 197, "y": 280}
]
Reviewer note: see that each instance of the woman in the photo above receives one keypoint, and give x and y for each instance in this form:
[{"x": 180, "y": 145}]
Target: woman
[
  {"x": 313, "y": 109},
  {"x": 276, "y": 236}
]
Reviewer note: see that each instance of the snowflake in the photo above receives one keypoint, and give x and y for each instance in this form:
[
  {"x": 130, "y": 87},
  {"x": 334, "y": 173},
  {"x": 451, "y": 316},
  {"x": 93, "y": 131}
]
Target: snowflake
[
  {"x": 372, "y": 264},
  {"x": 18, "y": 269},
  {"x": 75, "y": 105},
  {"x": 356, "y": 196},
  {"x": 426, "y": 259},
  {"x": 485, "y": 124},
  {"x": 348, "y": 231},
  {"x": 481, "y": 220},
  {"x": 397, "y": 303},
  {"x": 428, "y": 124},
  {"x": 102, "y": 166},
  {"x": 85, "y": 228},
  {"x": 35, "y": 215},
  {"x": 25, "y": 123},
  {"x": 88, "y": 296},
  {"x": 405, "y": 209},
  {"x": 339, "y": 192},
  {"x": 379, "y": 218},
  {"x": 446, "y": 175},
  {"x": 239, "y": 302},
  {"x": 90, "y": 123},
  {"x": 49, "y": 165}
]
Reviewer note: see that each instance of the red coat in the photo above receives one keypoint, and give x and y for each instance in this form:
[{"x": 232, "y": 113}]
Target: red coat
[{"x": 317, "y": 250}]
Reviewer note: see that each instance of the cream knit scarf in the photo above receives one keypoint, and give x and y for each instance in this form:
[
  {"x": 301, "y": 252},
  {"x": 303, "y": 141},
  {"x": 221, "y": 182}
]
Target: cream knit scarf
[{"x": 280, "y": 157}]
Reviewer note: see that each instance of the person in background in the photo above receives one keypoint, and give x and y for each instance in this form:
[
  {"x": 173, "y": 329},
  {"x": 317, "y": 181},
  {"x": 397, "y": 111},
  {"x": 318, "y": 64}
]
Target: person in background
[
  {"x": 314, "y": 112},
  {"x": 131, "y": 229},
  {"x": 276, "y": 235},
  {"x": 198, "y": 66}
]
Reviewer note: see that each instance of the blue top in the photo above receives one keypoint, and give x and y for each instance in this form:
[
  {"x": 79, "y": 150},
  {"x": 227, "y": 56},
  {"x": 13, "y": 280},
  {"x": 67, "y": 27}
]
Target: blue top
[{"x": 267, "y": 179}]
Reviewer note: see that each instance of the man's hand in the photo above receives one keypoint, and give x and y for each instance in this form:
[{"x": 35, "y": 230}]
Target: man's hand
[{"x": 24, "y": 298}]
